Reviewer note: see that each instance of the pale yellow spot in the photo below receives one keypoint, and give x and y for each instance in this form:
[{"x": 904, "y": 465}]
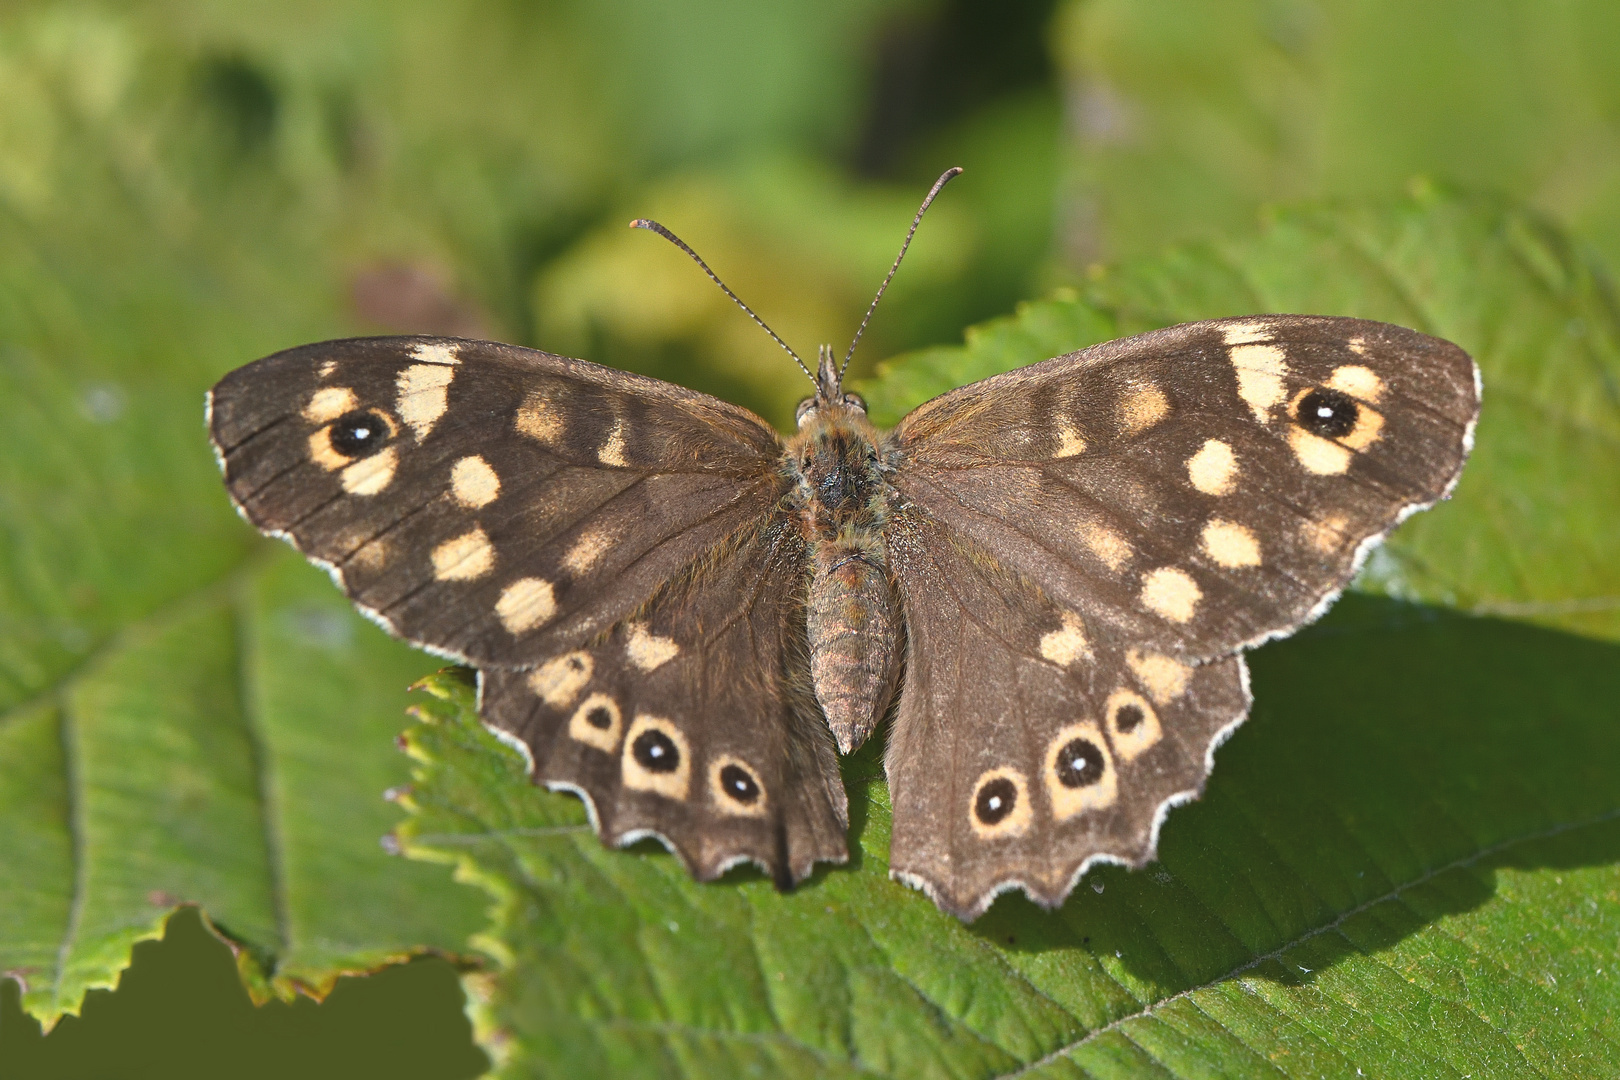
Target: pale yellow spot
[
  {"x": 326, "y": 369},
  {"x": 436, "y": 353},
  {"x": 1327, "y": 535},
  {"x": 1324, "y": 457},
  {"x": 1163, "y": 678},
  {"x": 370, "y": 475},
  {"x": 612, "y": 452},
  {"x": 1171, "y": 593},
  {"x": 587, "y": 551},
  {"x": 328, "y": 403},
  {"x": 1260, "y": 370},
  {"x": 1068, "y": 801},
  {"x": 723, "y": 798},
  {"x": 647, "y": 650},
  {"x": 1244, "y": 332},
  {"x": 1358, "y": 345},
  {"x": 322, "y": 453},
  {"x": 558, "y": 682},
  {"x": 465, "y": 557},
  {"x": 1142, "y": 409},
  {"x": 1067, "y": 643},
  {"x": 1070, "y": 442},
  {"x": 370, "y": 556},
  {"x": 672, "y": 784},
  {"x": 1213, "y": 469},
  {"x": 424, "y": 394},
  {"x": 539, "y": 419},
  {"x": 525, "y": 604},
  {"x": 1230, "y": 545},
  {"x": 1130, "y": 742},
  {"x": 473, "y": 483},
  {"x": 1105, "y": 543},
  {"x": 1016, "y": 823},
  {"x": 1358, "y": 382},
  {"x": 597, "y": 707}
]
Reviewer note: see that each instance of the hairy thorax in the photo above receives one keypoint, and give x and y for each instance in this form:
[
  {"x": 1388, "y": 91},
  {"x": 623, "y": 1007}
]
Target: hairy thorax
[{"x": 853, "y": 619}]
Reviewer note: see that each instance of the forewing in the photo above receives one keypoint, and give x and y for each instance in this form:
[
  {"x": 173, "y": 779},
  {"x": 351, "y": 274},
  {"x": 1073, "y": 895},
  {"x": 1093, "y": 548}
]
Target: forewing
[
  {"x": 1024, "y": 749},
  {"x": 692, "y": 720},
  {"x": 1200, "y": 488},
  {"x": 493, "y": 503}
]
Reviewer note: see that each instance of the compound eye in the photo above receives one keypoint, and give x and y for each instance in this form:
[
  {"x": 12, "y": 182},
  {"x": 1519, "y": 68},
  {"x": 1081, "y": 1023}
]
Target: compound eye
[
  {"x": 804, "y": 411},
  {"x": 855, "y": 401}
]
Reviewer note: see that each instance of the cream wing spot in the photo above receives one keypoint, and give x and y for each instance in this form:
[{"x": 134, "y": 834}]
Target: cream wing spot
[
  {"x": 322, "y": 452},
  {"x": 1243, "y": 333},
  {"x": 372, "y": 475},
  {"x": 1142, "y": 409},
  {"x": 326, "y": 369},
  {"x": 586, "y": 551},
  {"x": 328, "y": 403},
  {"x": 1358, "y": 382},
  {"x": 436, "y": 353},
  {"x": 597, "y": 722},
  {"x": 464, "y": 558},
  {"x": 1324, "y": 457},
  {"x": 1000, "y": 806},
  {"x": 473, "y": 483},
  {"x": 735, "y": 787},
  {"x": 1326, "y": 535},
  {"x": 1230, "y": 545},
  {"x": 525, "y": 604},
  {"x": 370, "y": 556},
  {"x": 646, "y": 650},
  {"x": 1171, "y": 593},
  {"x": 1067, "y": 643},
  {"x": 612, "y": 451},
  {"x": 1260, "y": 371},
  {"x": 1105, "y": 543},
  {"x": 1163, "y": 678},
  {"x": 540, "y": 419},
  {"x": 1079, "y": 771},
  {"x": 1214, "y": 468},
  {"x": 1133, "y": 725},
  {"x": 558, "y": 681},
  {"x": 1070, "y": 443},
  {"x": 656, "y": 758},
  {"x": 423, "y": 395}
]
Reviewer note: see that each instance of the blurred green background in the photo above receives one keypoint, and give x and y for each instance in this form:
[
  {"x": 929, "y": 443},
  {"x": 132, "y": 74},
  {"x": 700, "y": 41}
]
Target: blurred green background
[{"x": 263, "y": 174}]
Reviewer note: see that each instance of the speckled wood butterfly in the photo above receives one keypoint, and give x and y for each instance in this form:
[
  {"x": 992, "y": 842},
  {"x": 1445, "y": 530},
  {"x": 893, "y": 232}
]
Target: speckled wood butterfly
[{"x": 678, "y": 615}]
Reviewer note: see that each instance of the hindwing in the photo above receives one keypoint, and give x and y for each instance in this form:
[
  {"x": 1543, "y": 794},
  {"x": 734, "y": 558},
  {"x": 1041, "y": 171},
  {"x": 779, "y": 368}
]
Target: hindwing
[{"x": 692, "y": 720}]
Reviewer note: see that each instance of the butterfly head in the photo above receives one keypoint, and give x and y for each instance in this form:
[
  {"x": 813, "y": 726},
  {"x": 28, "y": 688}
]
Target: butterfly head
[{"x": 829, "y": 397}]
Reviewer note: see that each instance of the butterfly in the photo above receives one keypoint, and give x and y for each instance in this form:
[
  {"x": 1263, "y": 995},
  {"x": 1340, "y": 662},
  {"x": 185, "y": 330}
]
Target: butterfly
[{"x": 1044, "y": 581}]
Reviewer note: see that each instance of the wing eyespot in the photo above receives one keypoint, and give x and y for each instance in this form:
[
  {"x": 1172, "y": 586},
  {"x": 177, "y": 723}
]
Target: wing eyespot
[{"x": 360, "y": 433}]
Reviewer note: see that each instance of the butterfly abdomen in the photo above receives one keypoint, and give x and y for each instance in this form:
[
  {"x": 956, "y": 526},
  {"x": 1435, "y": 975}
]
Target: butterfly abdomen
[{"x": 853, "y": 625}]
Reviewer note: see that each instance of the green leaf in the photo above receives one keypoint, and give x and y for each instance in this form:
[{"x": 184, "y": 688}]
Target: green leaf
[
  {"x": 1406, "y": 859},
  {"x": 1191, "y": 114},
  {"x": 1533, "y": 527}
]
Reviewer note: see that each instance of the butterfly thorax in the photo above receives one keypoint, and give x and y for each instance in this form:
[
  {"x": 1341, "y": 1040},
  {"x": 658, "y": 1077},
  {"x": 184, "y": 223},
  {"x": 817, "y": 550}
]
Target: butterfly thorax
[{"x": 841, "y": 501}]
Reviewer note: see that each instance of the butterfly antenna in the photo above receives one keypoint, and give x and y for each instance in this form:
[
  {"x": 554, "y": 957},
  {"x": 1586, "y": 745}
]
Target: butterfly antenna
[
  {"x": 939, "y": 185},
  {"x": 648, "y": 223}
]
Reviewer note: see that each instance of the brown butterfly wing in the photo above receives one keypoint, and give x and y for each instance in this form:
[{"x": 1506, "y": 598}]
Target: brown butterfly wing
[
  {"x": 1085, "y": 545},
  {"x": 492, "y": 503},
  {"x": 1022, "y": 752},
  {"x": 1199, "y": 488},
  {"x": 692, "y": 720}
]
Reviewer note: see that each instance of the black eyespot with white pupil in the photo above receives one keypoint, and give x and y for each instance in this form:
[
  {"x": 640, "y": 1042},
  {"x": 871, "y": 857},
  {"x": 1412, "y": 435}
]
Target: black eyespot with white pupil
[
  {"x": 359, "y": 433},
  {"x": 735, "y": 782},
  {"x": 655, "y": 752},
  {"x": 601, "y": 718},
  {"x": 1080, "y": 763},
  {"x": 1328, "y": 413},
  {"x": 996, "y": 799}
]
